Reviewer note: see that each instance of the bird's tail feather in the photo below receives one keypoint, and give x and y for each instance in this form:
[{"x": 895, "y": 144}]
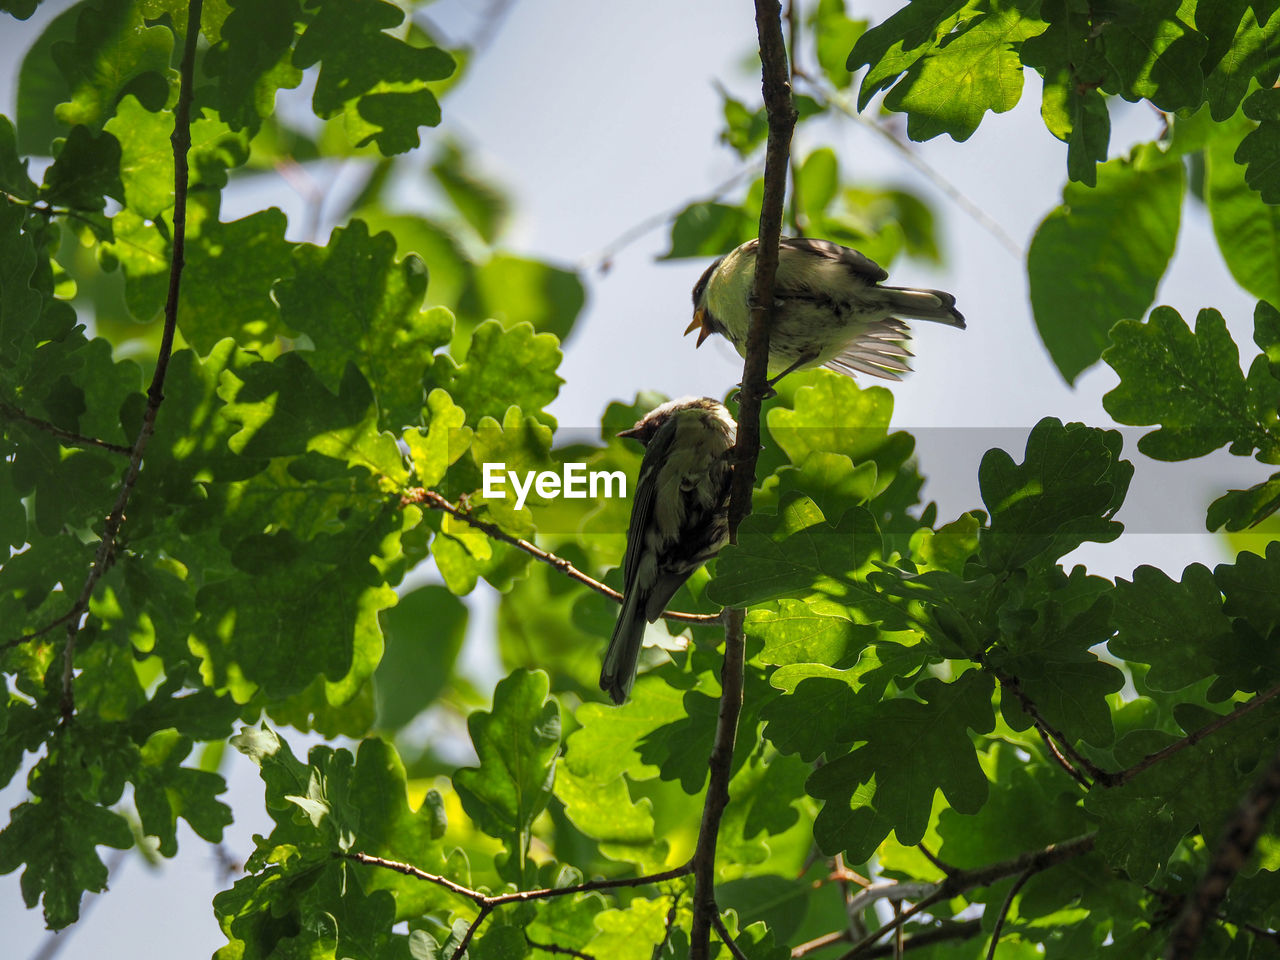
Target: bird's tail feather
[
  {"x": 619, "y": 670},
  {"x": 923, "y": 305}
]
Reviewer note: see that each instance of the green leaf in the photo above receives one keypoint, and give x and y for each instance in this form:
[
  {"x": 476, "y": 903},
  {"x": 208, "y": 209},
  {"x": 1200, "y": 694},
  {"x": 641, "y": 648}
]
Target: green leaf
[
  {"x": 56, "y": 834},
  {"x": 1191, "y": 385},
  {"x": 605, "y": 812},
  {"x": 85, "y": 173},
  {"x": 951, "y": 87},
  {"x": 503, "y": 368},
  {"x": 517, "y": 744},
  {"x": 515, "y": 290},
  {"x": 426, "y": 626},
  {"x": 835, "y": 36},
  {"x": 251, "y": 61},
  {"x": 325, "y": 588},
  {"x": 1259, "y": 150},
  {"x": 890, "y": 48},
  {"x": 1247, "y": 588},
  {"x": 1247, "y": 230},
  {"x": 1176, "y": 627},
  {"x": 360, "y": 305},
  {"x": 1045, "y": 647},
  {"x": 793, "y": 633},
  {"x": 113, "y": 53},
  {"x": 1142, "y": 821},
  {"x": 1069, "y": 56},
  {"x": 794, "y": 553},
  {"x": 359, "y": 61},
  {"x": 1155, "y": 54},
  {"x": 911, "y": 750},
  {"x": 166, "y": 791},
  {"x": 481, "y": 204},
  {"x": 1098, "y": 258},
  {"x": 146, "y": 155},
  {"x": 1253, "y": 53},
  {"x": 13, "y": 169},
  {"x": 1066, "y": 491},
  {"x": 707, "y": 230},
  {"x": 1239, "y": 509},
  {"x": 744, "y": 128}
]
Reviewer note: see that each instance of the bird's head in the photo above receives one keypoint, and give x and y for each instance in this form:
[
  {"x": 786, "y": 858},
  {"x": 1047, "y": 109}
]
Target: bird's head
[
  {"x": 703, "y": 320},
  {"x": 652, "y": 422}
]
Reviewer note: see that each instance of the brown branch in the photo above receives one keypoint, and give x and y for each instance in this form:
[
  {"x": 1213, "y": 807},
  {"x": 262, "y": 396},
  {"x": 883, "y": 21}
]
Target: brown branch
[
  {"x": 1191, "y": 739},
  {"x": 435, "y": 501},
  {"x": 964, "y": 930},
  {"x": 488, "y": 904},
  {"x": 667, "y": 926},
  {"x": 1046, "y": 730},
  {"x": 48, "y": 627},
  {"x": 66, "y": 436},
  {"x": 934, "y": 859},
  {"x": 723, "y": 932},
  {"x": 1058, "y": 756},
  {"x": 781, "y": 113},
  {"x": 554, "y": 948},
  {"x": 105, "y": 557},
  {"x": 1229, "y": 857},
  {"x": 958, "y": 882},
  {"x": 1004, "y": 912}
]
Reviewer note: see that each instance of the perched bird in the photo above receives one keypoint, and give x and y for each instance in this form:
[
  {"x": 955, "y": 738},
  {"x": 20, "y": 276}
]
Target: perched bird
[
  {"x": 829, "y": 309},
  {"x": 679, "y": 520}
]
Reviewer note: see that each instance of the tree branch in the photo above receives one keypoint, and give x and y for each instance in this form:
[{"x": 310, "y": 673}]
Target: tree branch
[
  {"x": 488, "y": 904},
  {"x": 1030, "y": 863},
  {"x": 435, "y": 501},
  {"x": 1004, "y": 911},
  {"x": 723, "y": 932},
  {"x": 1047, "y": 730},
  {"x": 554, "y": 948},
  {"x": 1190, "y": 740},
  {"x": 1229, "y": 857},
  {"x": 11, "y": 412},
  {"x": 782, "y": 118},
  {"x": 105, "y": 557}
]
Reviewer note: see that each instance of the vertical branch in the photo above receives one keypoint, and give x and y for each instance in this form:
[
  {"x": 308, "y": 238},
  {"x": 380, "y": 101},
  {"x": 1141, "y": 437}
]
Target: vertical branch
[
  {"x": 105, "y": 556},
  {"x": 782, "y": 118}
]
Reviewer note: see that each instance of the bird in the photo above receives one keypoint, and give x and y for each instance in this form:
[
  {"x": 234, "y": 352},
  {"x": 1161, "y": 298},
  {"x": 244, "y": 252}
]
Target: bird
[
  {"x": 829, "y": 309},
  {"x": 679, "y": 520}
]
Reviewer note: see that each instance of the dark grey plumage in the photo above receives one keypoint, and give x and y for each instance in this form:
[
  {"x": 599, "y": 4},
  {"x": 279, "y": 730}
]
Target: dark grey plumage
[
  {"x": 679, "y": 520},
  {"x": 829, "y": 308}
]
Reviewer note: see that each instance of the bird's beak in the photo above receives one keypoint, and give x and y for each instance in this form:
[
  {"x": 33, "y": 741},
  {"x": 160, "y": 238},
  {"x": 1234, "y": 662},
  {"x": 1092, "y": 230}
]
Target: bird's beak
[
  {"x": 699, "y": 324},
  {"x": 633, "y": 433}
]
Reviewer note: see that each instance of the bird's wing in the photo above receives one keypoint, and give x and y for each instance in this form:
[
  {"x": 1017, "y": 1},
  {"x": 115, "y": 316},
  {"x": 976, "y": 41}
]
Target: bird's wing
[
  {"x": 853, "y": 261},
  {"x": 878, "y": 350},
  {"x": 655, "y": 455}
]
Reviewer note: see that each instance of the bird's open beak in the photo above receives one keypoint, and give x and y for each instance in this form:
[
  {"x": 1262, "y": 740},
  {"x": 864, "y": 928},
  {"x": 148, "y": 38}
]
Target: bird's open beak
[{"x": 699, "y": 324}]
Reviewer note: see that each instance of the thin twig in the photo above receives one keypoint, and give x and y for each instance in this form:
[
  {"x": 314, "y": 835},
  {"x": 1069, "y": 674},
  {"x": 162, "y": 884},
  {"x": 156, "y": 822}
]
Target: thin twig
[
  {"x": 948, "y": 189},
  {"x": 66, "y": 436},
  {"x": 1191, "y": 739},
  {"x": 1004, "y": 911},
  {"x": 105, "y": 557},
  {"x": 934, "y": 859},
  {"x": 723, "y": 932},
  {"x": 958, "y": 882},
  {"x": 1058, "y": 756},
  {"x": 963, "y": 930},
  {"x": 488, "y": 904},
  {"x": 666, "y": 928},
  {"x": 1046, "y": 729},
  {"x": 554, "y": 948},
  {"x": 602, "y": 259},
  {"x": 793, "y": 34},
  {"x": 48, "y": 627},
  {"x": 781, "y": 113},
  {"x": 435, "y": 501},
  {"x": 1229, "y": 857}
]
